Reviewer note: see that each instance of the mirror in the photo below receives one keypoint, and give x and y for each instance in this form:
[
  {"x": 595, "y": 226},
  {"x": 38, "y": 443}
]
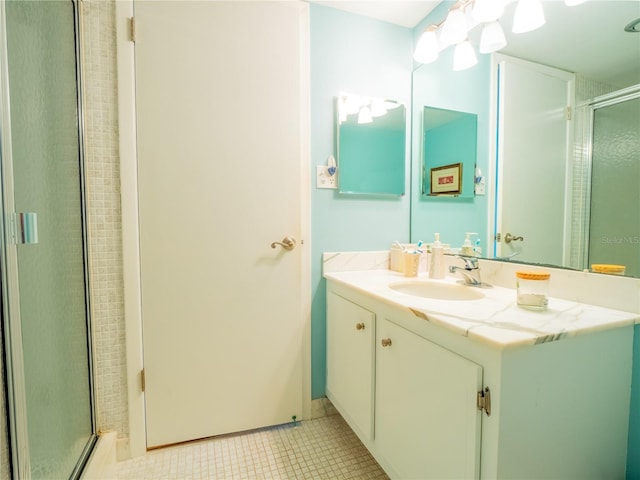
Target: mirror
[
  {"x": 588, "y": 40},
  {"x": 448, "y": 152},
  {"x": 371, "y": 139}
]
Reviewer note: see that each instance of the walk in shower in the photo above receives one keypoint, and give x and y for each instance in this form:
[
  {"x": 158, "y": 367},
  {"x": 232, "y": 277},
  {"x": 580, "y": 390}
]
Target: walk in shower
[
  {"x": 45, "y": 300},
  {"x": 614, "y": 220}
]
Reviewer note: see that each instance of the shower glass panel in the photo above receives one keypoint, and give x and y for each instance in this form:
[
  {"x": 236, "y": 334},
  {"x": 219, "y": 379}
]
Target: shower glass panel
[
  {"x": 614, "y": 234},
  {"x": 47, "y": 180}
]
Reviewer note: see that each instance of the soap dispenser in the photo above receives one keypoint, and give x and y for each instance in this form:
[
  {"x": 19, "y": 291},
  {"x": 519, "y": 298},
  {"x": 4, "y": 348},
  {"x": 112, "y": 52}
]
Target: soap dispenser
[
  {"x": 467, "y": 248},
  {"x": 436, "y": 266}
]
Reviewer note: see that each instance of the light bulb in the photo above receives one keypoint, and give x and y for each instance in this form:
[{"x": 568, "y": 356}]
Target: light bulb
[
  {"x": 352, "y": 104},
  {"x": 492, "y": 38},
  {"x": 528, "y": 16},
  {"x": 427, "y": 47},
  {"x": 487, "y": 10},
  {"x": 365, "y": 115},
  {"x": 464, "y": 56},
  {"x": 454, "y": 29},
  {"x": 377, "y": 108}
]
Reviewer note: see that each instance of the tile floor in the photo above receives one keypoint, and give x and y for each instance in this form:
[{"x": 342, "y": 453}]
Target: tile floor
[{"x": 322, "y": 448}]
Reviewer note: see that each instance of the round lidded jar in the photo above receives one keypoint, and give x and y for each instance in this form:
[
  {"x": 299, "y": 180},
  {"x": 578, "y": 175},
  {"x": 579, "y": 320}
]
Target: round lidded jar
[{"x": 533, "y": 288}]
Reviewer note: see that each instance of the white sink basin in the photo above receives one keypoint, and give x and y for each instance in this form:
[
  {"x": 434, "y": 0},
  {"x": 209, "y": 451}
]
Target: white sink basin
[{"x": 438, "y": 291}]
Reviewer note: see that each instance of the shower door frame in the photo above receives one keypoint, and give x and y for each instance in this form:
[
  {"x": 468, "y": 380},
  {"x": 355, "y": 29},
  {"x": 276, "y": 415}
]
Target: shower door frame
[
  {"x": 607, "y": 100},
  {"x": 11, "y": 341}
]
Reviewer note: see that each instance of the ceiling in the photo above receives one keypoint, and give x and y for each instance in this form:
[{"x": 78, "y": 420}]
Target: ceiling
[
  {"x": 588, "y": 38},
  {"x": 401, "y": 12}
]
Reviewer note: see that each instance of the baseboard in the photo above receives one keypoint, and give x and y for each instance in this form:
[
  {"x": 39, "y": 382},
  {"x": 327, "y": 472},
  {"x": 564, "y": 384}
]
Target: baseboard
[{"x": 322, "y": 407}]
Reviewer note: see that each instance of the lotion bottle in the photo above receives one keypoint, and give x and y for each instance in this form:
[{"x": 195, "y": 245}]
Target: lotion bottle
[
  {"x": 436, "y": 266},
  {"x": 467, "y": 248}
]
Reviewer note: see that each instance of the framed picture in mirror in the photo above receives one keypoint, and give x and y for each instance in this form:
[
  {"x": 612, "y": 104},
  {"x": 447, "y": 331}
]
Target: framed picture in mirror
[{"x": 446, "y": 180}]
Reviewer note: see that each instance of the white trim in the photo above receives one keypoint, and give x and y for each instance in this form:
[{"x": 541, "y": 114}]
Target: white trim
[
  {"x": 490, "y": 175},
  {"x": 16, "y": 406},
  {"x": 102, "y": 457},
  {"x": 305, "y": 204},
  {"x": 130, "y": 234}
]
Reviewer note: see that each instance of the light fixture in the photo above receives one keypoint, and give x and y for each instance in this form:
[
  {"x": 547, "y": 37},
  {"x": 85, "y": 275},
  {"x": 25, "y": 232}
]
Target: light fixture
[
  {"x": 454, "y": 30},
  {"x": 492, "y": 38},
  {"x": 365, "y": 115},
  {"x": 528, "y": 16},
  {"x": 487, "y": 10},
  {"x": 464, "y": 56},
  {"x": 427, "y": 47},
  {"x": 377, "y": 107}
]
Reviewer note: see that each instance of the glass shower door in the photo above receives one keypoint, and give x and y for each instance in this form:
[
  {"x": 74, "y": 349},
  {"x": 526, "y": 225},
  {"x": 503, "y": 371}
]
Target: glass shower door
[
  {"x": 49, "y": 247},
  {"x": 614, "y": 233}
]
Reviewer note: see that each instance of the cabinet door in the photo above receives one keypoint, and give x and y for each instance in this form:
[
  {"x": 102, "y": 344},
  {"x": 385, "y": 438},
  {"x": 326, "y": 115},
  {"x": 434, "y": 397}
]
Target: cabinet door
[
  {"x": 350, "y": 349},
  {"x": 427, "y": 422}
]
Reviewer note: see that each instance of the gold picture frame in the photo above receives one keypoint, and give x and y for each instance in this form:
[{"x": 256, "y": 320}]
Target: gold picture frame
[{"x": 446, "y": 180}]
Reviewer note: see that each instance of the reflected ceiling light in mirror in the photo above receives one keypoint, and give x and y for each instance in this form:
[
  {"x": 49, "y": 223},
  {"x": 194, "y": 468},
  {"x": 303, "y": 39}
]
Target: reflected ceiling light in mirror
[
  {"x": 365, "y": 115},
  {"x": 528, "y": 16},
  {"x": 427, "y": 47},
  {"x": 464, "y": 56},
  {"x": 378, "y": 108},
  {"x": 487, "y": 10},
  {"x": 492, "y": 38},
  {"x": 454, "y": 29}
]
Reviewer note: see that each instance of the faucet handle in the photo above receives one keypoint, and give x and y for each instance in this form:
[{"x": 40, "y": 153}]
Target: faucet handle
[{"x": 470, "y": 263}]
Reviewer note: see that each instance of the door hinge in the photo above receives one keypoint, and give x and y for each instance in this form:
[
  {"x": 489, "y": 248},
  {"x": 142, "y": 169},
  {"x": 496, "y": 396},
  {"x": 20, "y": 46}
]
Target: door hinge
[
  {"x": 132, "y": 29},
  {"x": 142, "y": 380},
  {"x": 484, "y": 401},
  {"x": 568, "y": 112}
]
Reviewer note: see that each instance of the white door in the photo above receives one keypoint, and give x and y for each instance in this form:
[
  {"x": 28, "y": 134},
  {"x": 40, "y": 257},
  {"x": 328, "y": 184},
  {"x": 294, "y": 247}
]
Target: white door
[
  {"x": 533, "y": 149},
  {"x": 219, "y": 128}
]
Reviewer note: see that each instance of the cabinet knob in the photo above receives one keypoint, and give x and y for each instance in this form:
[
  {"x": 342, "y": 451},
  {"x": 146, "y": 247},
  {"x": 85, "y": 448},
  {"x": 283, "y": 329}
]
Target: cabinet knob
[
  {"x": 359, "y": 326},
  {"x": 386, "y": 342}
]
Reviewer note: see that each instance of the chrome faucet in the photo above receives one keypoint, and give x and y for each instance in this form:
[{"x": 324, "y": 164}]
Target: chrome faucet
[{"x": 470, "y": 272}]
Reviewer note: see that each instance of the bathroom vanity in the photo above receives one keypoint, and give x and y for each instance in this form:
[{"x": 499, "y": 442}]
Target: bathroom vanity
[{"x": 441, "y": 380}]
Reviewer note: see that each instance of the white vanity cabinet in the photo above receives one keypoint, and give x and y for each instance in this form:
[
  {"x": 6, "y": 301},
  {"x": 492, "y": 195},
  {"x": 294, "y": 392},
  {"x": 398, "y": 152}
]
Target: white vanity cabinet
[
  {"x": 411, "y": 389},
  {"x": 427, "y": 423}
]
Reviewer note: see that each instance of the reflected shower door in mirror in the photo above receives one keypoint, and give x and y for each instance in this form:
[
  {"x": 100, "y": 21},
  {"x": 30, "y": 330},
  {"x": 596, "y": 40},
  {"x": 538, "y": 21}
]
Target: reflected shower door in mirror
[
  {"x": 371, "y": 142},
  {"x": 614, "y": 219},
  {"x": 448, "y": 152}
]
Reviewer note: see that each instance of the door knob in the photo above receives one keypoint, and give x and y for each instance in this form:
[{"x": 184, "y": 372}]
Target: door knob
[
  {"x": 508, "y": 238},
  {"x": 288, "y": 243}
]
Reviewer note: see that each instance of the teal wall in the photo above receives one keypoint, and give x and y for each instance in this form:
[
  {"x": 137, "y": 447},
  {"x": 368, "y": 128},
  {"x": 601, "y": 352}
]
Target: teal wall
[
  {"x": 633, "y": 452},
  {"x": 437, "y": 85},
  {"x": 357, "y": 55}
]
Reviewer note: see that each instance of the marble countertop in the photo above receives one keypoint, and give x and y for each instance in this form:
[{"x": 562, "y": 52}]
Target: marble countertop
[{"x": 495, "y": 319}]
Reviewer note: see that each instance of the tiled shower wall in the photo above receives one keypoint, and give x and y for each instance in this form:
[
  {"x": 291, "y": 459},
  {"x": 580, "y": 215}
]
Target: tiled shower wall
[
  {"x": 104, "y": 223},
  {"x": 586, "y": 90},
  {"x": 103, "y": 212}
]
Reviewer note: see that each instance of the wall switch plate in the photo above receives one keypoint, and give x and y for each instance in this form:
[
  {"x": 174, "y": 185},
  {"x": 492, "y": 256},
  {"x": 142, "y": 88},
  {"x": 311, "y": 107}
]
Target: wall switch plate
[
  {"x": 324, "y": 180},
  {"x": 480, "y": 186}
]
